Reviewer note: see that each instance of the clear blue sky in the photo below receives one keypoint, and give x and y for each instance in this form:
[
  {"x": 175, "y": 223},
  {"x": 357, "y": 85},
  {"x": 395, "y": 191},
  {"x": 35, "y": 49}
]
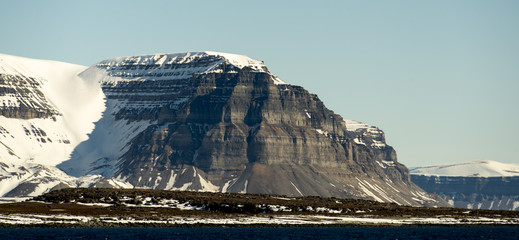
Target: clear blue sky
[{"x": 441, "y": 78}]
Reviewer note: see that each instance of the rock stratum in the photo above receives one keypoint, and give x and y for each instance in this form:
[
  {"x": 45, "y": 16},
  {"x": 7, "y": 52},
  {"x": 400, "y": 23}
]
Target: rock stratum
[{"x": 200, "y": 121}]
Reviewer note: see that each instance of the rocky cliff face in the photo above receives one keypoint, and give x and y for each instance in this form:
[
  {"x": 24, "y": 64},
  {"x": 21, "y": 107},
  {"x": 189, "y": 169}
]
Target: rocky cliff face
[
  {"x": 496, "y": 193},
  {"x": 223, "y": 122}
]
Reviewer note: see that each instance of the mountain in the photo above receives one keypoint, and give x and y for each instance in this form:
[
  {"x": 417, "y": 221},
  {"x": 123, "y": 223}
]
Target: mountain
[
  {"x": 480, "y": 184},
  {"x": 204, "y": 121}
]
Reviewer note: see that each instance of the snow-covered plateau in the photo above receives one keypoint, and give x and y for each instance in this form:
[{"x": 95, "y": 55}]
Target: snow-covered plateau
[
  {"x": 480, "y": 184},
  {"x": 477, "y": 168}
]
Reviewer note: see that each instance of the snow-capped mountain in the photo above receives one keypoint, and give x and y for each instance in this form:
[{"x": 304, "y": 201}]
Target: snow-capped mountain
[
  {"x": 480, "y": 184},
  {"x": 189, "y": 121}
]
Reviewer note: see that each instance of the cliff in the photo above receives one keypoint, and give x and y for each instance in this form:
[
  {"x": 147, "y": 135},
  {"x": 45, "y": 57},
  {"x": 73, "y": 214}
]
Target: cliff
[{"x": 222, "y": 122}]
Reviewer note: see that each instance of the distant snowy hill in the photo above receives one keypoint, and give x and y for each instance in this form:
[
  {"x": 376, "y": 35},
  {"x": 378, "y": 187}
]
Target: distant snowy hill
[
  {"x": 481, "y": 184},
  {"x": 478, "y": 168}
]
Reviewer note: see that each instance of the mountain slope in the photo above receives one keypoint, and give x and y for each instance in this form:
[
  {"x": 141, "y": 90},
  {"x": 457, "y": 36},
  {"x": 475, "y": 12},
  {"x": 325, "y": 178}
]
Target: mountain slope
[
  {"x": 40, "y": 94},
  {"x": 46, "y": 111},
  {"x": 205, "y": 121},
  {"x": 481, "y": 184}
]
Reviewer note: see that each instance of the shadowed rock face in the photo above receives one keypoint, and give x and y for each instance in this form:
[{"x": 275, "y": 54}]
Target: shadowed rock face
[{"x": 237, "y": 129}]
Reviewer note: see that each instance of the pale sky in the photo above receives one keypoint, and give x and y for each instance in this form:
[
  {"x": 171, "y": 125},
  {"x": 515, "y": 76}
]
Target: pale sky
[{"x": 441, "y": 78}]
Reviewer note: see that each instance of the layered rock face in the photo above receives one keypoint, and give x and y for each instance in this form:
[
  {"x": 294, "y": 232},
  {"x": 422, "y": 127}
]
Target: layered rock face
[
  {"x": 21, "y": 97},
  {"x": 496, "y": 193},
  {"x": 222, "y": 122}
]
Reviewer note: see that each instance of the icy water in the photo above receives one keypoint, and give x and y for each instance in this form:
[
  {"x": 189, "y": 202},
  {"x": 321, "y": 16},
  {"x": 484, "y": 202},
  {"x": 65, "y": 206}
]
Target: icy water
[{"x": 377, "y": 233}]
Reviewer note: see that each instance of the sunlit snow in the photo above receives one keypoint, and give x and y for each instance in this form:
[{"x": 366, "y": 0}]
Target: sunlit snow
[{"x": 477, "y": 168}]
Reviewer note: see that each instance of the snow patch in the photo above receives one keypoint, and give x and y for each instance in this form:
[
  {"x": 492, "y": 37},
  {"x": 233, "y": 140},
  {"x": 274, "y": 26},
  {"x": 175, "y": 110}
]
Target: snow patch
[
  {"x": 171, "y": 181},
  {"x": 245, "y": 187},
  {"x": 516, "y": 205},
  {"x": 207, "y": 186},
  {"x": 297, "y": 189},
  {"x": 352, "y": 125},
  {"x": 308, "y": 114}
]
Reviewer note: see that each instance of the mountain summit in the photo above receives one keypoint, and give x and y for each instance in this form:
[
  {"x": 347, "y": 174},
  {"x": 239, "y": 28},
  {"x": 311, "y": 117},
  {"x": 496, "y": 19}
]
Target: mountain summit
[{"x": 203, "y": 121}]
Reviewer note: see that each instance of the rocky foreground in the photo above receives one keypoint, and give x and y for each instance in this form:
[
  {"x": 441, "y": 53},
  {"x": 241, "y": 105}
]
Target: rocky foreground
[{"x": 158, "y": 208}]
